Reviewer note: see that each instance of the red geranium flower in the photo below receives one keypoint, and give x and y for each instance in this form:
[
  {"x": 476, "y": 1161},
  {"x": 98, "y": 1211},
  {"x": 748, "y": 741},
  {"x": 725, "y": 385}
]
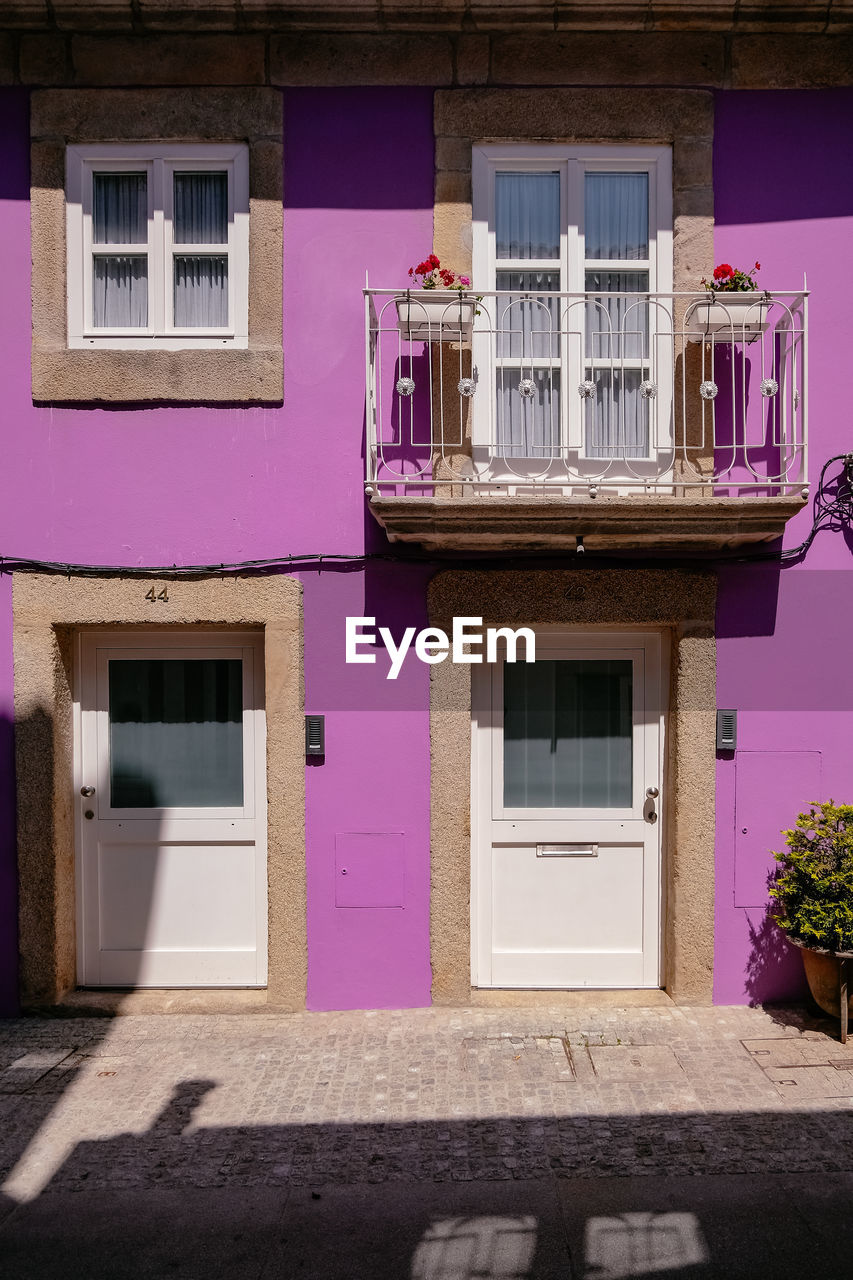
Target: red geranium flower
[{"x": 722, "y": 271}]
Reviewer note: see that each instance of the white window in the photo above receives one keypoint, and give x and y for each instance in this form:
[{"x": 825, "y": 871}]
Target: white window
[
  {"x": 158, "y": 245},
  {"x": 581, "y": 370}
]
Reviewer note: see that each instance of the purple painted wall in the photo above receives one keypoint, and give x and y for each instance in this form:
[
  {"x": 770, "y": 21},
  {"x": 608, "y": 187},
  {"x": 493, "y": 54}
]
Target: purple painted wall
[
  {"x": 783, "y": 192},
  {"x": 163, "y": 485}
]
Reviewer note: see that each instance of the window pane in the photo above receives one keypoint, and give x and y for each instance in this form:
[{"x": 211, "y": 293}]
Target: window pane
[
  {"x": 120, "y": 208},
  {"x": 201, "y": 208},
  {"x": 528, "y": 425},
  {"x": 568, "y": 734},
  {"x": 616, "y": 328},
  {"x": 120, "y": 292},
  {"x": 617, "y": 415},
  {"x": 176, "y": 732},
  {"x": 528, "y": 326},
  {"x": 201, "y": 293},
  {"x": 527, "y": 215},
  {"x": 616, "y": 215}
]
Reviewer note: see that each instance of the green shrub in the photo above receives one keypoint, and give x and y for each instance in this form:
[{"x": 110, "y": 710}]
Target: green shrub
[{"x": 814, "y": 882}]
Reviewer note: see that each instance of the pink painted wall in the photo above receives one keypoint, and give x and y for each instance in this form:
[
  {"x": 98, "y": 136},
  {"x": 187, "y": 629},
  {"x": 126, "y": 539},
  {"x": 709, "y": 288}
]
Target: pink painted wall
[
  {"x": 182, "y": 485},
  {"x": 783, "y": 191}
]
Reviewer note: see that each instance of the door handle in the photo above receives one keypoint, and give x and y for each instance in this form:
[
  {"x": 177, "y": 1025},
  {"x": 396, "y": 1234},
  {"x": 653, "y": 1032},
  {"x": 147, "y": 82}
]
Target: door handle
[
  {"x": 87, "y": 791},
  {"x": 652, "y": 793},
  {"x": 650, "y": 813}
]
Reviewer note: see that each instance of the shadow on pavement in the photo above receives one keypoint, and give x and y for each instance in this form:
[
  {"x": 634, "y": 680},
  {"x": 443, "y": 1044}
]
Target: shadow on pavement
[{"x": 746, "y": 1195}]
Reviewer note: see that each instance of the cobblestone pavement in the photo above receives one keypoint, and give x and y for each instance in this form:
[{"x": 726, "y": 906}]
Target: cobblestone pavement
[{"x": 429, "y": 1095}]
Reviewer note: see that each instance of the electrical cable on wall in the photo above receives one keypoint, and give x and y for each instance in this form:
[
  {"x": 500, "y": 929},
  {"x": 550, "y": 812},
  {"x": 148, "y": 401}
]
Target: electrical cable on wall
[{"x": 830, "y": 512}]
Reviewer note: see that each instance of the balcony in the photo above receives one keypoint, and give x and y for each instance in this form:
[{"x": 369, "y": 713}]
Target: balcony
[{"x": 663, "y": 422}]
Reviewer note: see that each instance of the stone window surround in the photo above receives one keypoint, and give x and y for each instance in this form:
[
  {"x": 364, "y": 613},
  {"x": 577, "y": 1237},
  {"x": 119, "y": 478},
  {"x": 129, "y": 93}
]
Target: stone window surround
[
  {"x": 61, "y": 117},
  {"x": 49, "y": 611},
  {"x": 681, "y": 118},
  {"x": 680, "y": 603}
]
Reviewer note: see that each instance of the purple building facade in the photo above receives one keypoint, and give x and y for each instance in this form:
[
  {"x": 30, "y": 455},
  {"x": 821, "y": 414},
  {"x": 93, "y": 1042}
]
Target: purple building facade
[{"x": 367, "y": 872}]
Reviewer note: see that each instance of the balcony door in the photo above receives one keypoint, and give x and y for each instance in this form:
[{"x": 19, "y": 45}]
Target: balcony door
[
  {"x": 573, "y": 356},
  {"x": 170, "y": 794},
  {"x": 566, "y": 798}
]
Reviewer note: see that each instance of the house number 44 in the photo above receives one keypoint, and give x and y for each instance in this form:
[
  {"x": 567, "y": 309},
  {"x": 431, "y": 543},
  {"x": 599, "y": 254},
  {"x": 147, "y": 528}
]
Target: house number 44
[{"x": 154, "y": 594}]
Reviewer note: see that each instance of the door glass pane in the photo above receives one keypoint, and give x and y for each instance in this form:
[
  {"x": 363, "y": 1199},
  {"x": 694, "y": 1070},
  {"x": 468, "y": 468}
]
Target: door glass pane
[
  {"x": 527, "y": 215},
  {"x": 176, "y": 732},
  {"x": 201, "y": 208},
  {"x": 616, "y": 215},
  {"x": 568, "y": 734},
  {"x": 120, "y": 208}
]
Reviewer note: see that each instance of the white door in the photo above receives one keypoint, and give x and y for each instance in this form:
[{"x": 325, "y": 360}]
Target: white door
[
  {"x": 170, "y": 789},
  {"x": 566, "y": 868}
]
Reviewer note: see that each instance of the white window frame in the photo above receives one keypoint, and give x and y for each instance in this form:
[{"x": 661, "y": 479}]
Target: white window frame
[
  {"x": 572, "y": 163},
  {"x": 160, "y": 161}
]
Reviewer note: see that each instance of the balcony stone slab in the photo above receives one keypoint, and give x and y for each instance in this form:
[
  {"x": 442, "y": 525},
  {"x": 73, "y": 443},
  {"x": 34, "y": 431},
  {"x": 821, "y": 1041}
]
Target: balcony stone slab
[{"x": 503, "y": 522}]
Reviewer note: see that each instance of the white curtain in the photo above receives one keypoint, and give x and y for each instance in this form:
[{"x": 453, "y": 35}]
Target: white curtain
[
  {"x": 176, "y": 732},
  {"x": 528, "y": 326},
  {"x": 616, "y": 215},
  {"x": 201, "y": 208},
  {"x": 527, "y": 215},
  {"x": 120, "y": 292},
  {"x": 201, "y": 292}
]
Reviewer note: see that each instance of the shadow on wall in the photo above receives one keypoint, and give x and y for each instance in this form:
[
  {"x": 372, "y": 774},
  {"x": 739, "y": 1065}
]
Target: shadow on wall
[{"x": 348, "y": 1201}]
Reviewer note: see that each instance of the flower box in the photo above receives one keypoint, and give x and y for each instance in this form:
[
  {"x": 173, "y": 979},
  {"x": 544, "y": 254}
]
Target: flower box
[
  {"x": 739, "y": 317},
  {"x": 435, "y": 315}
]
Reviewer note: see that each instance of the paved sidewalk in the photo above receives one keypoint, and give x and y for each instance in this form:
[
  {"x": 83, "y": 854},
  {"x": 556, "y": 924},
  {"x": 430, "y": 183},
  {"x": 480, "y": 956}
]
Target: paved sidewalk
[{"x": 519, "y": 1142}]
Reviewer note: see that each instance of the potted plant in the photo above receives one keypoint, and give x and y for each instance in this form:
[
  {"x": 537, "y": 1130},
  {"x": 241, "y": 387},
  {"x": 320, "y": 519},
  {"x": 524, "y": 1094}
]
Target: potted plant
[
  {"x": 734, "y": 306},
  {"x": 813, "y": 888},
  {"x": 441, "y": 310}
]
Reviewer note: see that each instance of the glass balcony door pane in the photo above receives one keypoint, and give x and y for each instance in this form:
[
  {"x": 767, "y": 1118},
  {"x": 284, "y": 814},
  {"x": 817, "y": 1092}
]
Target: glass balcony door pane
[
  {"x": 176, "y": 733},
  {"x": 527, "y": 215},
  {"x": 616, "y": 216},
  {"x": 568, "y": 734}
]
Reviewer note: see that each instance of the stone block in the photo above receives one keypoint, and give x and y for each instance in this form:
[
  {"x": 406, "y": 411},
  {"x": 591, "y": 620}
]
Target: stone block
[
  {"x": 307, "y": 59},
  {"x": 194, "y": 15},
  {"x": 692, "y": 162},
  {"x": 452, "y": 187},
  {"x": 43, "y": 60},
  {"x": 792, "y": 62},
  {"x": 608, "y": 58},
  {"x": 7, "y": 59},
  {"x": 93, "y": 15},
  {"x": 452, "y": 235},
  {"x": 472, "y": 60},
  {"x": 168, "y": 60},
  {"x": 265, "y": 175},
  {"x": 453, "y": 153},
  {"x": 25, "y": 13},
  {"x": 96, "y": 115}
]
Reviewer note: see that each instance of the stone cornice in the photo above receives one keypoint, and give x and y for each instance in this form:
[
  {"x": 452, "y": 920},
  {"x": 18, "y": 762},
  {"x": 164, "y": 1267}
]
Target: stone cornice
[{"x": 464, "y": 16}]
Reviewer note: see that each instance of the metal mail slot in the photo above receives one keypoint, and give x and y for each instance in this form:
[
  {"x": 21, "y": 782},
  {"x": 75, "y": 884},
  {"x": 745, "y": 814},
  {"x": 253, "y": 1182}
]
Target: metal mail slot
[{"x": 567, "y": 851}]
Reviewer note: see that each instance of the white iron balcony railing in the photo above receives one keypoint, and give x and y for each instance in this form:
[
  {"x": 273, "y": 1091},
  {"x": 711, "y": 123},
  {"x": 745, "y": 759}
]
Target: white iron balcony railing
[{"x": 683, "y": 394}]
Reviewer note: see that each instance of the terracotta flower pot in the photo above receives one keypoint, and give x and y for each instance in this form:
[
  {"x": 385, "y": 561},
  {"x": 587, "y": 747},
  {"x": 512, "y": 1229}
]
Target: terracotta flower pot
[{"x": 822, "y": 976}]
